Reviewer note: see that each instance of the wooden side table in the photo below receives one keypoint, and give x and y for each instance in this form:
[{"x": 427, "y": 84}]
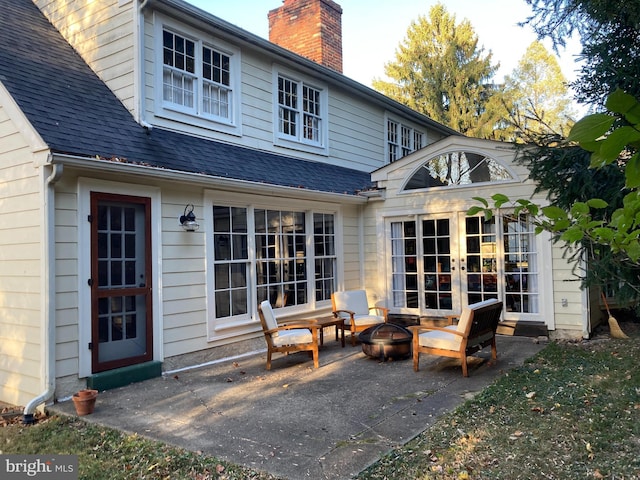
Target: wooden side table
[{"x": 329, "y": 322}]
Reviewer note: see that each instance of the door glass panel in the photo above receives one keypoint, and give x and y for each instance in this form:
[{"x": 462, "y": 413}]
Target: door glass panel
[
  {"x": 121, "y": 327},
  {"x": 437, "y": 264},
  {"x": 520, "y": 265},
  {"x": 404, "y": 259},
  {"x": 482, "y": 268}
]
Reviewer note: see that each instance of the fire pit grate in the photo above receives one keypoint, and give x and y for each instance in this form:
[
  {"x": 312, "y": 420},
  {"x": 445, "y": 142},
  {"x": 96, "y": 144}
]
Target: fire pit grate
[{"x": 385, "y": 341}]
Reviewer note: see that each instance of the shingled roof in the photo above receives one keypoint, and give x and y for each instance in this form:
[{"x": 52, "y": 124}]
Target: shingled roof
[{"x": 75, "y": 113}]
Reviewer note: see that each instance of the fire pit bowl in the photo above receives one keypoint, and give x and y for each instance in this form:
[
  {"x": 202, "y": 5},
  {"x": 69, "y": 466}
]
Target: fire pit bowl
[{"x": 385, "y": 341}]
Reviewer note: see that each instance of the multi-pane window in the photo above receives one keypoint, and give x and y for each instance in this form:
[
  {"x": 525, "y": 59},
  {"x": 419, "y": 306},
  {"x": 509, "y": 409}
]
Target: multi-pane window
[
  {"x": 277, "y": 265},
  {"x": 406, "y": 136},
  {"x": 281, "y": 257},
  {"x": 402, "y": 140},
  {"x": 393, "y": 141},
  {"x": 300, "y": 111},
  {"x": 216, "y": 83},
  {"x": 179, "y": 74},
  {"x": 231, "y": 255},
  {"x": 196, "y": 77},
  {"x": 324, "y": 243}
]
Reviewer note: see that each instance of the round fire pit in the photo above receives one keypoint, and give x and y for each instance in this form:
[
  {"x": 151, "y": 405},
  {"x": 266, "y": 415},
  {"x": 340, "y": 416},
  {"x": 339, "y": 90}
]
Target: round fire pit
[{"x": 386, "y": 340}]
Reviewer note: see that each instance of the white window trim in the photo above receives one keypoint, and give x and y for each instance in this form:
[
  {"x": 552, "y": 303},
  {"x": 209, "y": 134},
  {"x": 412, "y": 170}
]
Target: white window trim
[
  {"x": 232, "y": 327},
  {"x": 196, "y": 117},
  {"x": 286, "y": 141},
  {"x": 413, "y": 130}
]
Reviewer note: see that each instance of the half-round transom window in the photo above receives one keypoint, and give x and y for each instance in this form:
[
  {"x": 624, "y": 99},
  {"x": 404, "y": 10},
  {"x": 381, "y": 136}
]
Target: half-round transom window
[{"x": 457, "y": 168}]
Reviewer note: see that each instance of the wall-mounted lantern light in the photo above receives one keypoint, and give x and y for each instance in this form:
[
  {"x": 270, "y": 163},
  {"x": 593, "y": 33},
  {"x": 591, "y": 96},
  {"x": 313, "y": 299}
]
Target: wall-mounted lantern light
[{"x": 188, "y": 219}]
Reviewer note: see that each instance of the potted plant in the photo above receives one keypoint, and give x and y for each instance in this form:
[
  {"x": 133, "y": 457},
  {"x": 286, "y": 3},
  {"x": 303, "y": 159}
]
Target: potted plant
[{"x": 85, "y": 401}]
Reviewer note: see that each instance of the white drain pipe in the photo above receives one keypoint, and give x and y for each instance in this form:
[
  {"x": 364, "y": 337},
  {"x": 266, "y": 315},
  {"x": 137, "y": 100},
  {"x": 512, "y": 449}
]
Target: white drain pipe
[{"x": 48, "y": 332}]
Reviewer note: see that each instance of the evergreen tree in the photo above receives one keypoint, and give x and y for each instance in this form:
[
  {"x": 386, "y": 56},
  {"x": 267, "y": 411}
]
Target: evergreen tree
[
  {"x": 440, "y": 71},
  {"x": 539, "y": 95}
]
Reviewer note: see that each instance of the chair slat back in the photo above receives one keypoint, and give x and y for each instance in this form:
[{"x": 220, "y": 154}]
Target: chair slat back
[
  {"x": 486, "y": 318},
  {"x": 267, "y": 316},
  {"x": 480, "y": 317},
  {"x": 354, "y": 300}
]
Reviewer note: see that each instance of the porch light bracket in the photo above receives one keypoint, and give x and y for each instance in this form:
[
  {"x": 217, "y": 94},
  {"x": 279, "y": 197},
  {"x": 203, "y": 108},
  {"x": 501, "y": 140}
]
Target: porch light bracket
[{"x": 188, "y": 219}]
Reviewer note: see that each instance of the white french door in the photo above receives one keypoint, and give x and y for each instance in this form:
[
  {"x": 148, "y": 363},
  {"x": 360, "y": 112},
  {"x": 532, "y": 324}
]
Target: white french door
[
  {"x": 440, "y": 263},
  {"x": 425, "y": 265}
]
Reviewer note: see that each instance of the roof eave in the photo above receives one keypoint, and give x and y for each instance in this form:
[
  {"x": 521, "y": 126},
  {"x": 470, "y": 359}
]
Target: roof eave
[{"x": 204, "y": 181}]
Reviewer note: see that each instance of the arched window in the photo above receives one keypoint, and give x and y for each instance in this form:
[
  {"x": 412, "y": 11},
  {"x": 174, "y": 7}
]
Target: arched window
[{"x": 457, "y": 168}]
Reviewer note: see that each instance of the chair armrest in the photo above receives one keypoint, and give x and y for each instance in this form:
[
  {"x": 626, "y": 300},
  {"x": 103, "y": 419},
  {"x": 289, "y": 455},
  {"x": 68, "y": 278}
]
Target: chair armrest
[
  {"x": 348, "y": 312},
  {"x": 418, "y": 329}
]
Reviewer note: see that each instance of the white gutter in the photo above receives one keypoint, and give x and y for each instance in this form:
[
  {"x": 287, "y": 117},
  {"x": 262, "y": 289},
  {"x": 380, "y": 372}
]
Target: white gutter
[
  {"x": 139, "y": 78},
  {"x": 205, "y": 181},
  {"x": 48, "y": 330}
]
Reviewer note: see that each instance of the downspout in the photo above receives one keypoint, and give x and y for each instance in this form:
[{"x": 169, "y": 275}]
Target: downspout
[
  {"x": 139, "y": 51},
  {"x": 48, "y": 334}
]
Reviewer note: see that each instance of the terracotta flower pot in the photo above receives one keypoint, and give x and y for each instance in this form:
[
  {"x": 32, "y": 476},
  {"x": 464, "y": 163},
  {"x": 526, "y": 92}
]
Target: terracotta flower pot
[
  {"x": 85, "y": 393},
  {"x": 85, "y": 401}
]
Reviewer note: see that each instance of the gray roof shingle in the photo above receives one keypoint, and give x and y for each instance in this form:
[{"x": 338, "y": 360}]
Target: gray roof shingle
[{"x": 75, "y": 113}]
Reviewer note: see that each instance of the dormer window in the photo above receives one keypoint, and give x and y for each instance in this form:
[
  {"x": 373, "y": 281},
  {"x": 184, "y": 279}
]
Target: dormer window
[
  {"x": 301, "y": 113},
  {"x": 179, "y": 72},
  {"x": 200, "y": 78},
  {"x": 196, "y": 77},
  {"x": 402, "y": 140}
]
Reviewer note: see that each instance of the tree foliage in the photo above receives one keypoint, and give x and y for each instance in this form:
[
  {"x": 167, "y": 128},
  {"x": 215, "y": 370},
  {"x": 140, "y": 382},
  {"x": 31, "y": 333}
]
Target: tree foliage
[
  {"x": 440, "y": 71},
  {"x": 610, "y": 37},
  {"x": 539, "y": 101}
]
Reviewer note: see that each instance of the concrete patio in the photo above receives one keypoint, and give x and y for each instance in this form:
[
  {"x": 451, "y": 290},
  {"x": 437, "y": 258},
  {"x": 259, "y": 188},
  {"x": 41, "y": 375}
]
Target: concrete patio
[{"x": 297, "y": 422}]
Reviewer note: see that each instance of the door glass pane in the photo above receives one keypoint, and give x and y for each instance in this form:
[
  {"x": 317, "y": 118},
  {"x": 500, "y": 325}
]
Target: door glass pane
[
  {"x": 121, "y": 327},
  {"x": 482, "y": 268},
  {"x": 520, "y": 265},
  {"x": 437, "y": 264},
  {"x": 404, "y": 260}
]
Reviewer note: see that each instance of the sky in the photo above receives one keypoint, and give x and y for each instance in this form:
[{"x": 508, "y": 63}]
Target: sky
[{"x": 373, "y": 29}]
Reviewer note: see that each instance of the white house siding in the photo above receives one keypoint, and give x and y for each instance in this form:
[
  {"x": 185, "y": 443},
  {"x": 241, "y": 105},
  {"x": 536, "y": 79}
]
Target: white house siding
[
  {"x": 20, "y": 266},
  {"x": 570, "y": 315},
  {"x": 66, "y": 282},
  {"x": 351, "y": 246},
  {"x": 184, "y": 302},
  {"x": 103, "y": 33}
]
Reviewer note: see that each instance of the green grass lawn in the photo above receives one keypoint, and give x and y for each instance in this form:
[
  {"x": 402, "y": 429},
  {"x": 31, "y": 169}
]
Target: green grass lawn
[{"x": 571, "y": 412}]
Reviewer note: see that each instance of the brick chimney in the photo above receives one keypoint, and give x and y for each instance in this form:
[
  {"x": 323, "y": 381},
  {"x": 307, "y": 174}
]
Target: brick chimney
[{"x": 311, "y": 28}]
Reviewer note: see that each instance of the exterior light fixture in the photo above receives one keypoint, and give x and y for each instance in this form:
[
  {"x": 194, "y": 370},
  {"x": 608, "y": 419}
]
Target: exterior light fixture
[{"x": 188, "y": 219}]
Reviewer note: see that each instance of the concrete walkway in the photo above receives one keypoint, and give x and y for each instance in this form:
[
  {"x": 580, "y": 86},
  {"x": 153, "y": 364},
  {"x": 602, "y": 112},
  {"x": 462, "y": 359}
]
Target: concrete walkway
[{"x": 297, "y": 422}]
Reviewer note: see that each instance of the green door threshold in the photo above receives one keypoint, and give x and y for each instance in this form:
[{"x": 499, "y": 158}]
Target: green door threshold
[{"x": 120, "y": 377}]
